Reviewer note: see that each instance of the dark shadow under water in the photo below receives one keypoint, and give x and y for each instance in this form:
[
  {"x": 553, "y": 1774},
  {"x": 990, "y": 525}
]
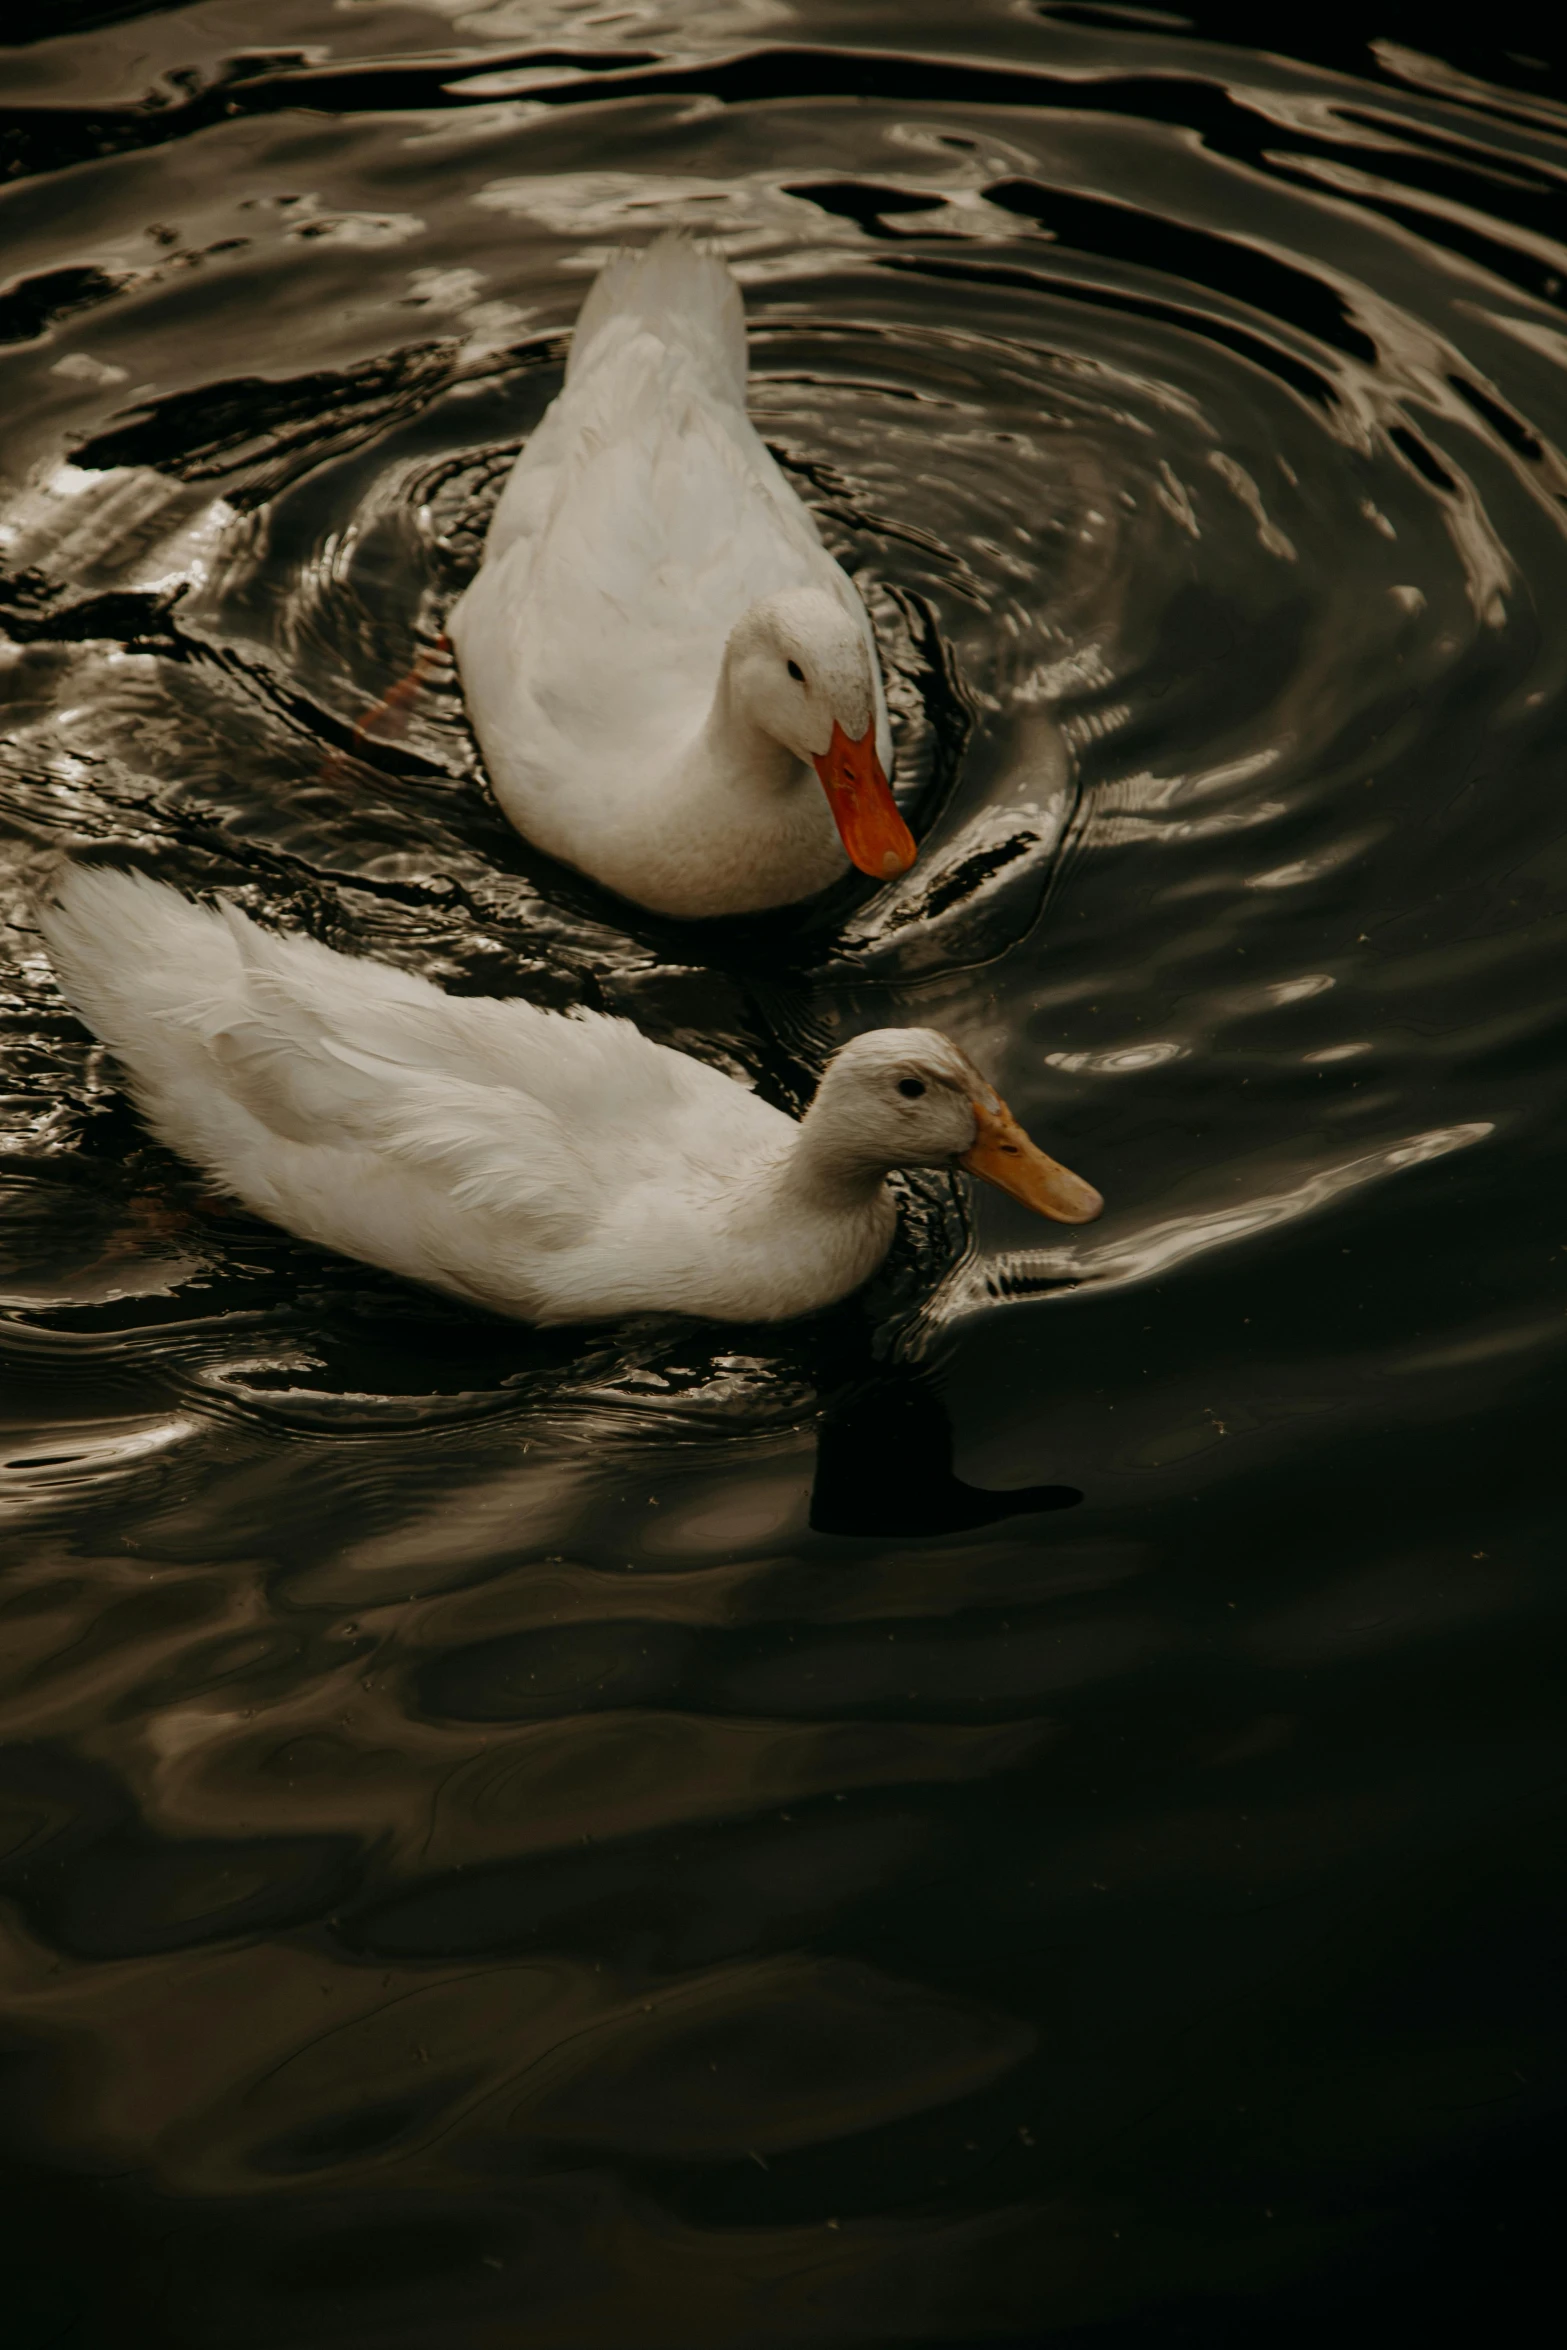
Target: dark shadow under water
[{"x": 1029, "y": 1806}]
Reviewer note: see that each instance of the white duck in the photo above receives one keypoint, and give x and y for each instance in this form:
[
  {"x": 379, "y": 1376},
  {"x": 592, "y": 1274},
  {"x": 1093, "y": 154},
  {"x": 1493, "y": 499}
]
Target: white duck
[
  {"x": 660, "y": 657},
  {"x": 554, "y": 1166}
]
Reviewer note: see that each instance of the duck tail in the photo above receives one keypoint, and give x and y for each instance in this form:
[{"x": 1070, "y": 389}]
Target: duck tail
[
  {"x": 677, "y": 290},
  {"x": 136, "y": 959}
]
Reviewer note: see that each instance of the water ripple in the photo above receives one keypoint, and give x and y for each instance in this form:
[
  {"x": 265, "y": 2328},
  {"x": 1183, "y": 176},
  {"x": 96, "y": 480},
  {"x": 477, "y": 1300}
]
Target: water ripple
[{"x": 915, "y": 1823}]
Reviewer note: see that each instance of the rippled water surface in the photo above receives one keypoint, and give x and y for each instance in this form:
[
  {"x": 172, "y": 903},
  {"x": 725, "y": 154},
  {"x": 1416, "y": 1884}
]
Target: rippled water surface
[{"x": 1031, "y": 1805}]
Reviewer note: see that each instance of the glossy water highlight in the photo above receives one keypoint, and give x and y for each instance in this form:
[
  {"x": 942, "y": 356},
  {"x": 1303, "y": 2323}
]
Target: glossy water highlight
[{"x": 1031, "y": 1803}]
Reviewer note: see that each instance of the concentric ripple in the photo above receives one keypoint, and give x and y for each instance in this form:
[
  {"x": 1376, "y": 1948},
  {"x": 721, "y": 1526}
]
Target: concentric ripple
[{"x": 1029, "y": 1801}]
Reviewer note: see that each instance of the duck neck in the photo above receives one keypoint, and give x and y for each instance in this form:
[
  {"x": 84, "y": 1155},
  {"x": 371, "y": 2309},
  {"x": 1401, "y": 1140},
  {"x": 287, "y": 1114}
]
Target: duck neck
[
  {"x": 828, "y": 1169},
  {"x": 740, "y": 824},
  {"x": 732, "y": 744}
]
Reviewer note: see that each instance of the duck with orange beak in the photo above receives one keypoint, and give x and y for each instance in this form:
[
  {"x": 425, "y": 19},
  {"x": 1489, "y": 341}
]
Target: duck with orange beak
[
  {"x": 557, "y": 1168},
  {"x": 675, "y": 687}
]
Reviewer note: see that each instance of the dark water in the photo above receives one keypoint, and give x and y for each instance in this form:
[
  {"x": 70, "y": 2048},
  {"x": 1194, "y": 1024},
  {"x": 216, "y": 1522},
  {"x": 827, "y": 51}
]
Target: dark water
[{"x": 680, "y": 1836}]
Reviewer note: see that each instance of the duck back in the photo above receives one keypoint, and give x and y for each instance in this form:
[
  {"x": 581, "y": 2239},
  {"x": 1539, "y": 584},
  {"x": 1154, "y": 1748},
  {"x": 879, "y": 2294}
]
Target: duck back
[{"x": 673, "y": 290}]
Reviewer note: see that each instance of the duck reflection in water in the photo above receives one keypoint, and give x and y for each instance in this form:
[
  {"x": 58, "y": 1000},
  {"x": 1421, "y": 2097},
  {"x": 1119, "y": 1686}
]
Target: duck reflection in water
[{"x": 884, "y": 1466}]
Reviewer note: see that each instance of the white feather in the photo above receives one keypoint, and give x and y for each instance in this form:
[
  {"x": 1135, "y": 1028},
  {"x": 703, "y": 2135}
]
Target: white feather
[
  {"x": 554, "y": 1166},
  {"x": 642, "y": 521}
]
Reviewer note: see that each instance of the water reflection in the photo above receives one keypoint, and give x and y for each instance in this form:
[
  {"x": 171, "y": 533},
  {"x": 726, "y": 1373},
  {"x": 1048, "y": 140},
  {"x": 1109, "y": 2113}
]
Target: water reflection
[
  {"x": 683, "y": 1835},
  {"x": 884, "y": 1466}
]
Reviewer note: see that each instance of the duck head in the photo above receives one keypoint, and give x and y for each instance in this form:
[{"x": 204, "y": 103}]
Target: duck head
[
  {"x": 908, "y": 1097},
  {"x": 798, "y": 666}
]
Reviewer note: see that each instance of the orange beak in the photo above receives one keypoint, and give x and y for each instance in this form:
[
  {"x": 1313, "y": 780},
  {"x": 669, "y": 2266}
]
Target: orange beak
[
  {"x": 864, "y": 810},
  {"x": 1003, "y": 1154}
]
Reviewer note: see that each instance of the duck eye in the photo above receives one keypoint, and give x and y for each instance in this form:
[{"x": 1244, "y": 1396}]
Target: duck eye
[
  {"x": 797, "y": 673},
  {"x": 911, "y": 1088}
]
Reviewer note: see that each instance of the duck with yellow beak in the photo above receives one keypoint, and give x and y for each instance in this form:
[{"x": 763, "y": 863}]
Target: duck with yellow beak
[{"x": 559, "y": 1168}]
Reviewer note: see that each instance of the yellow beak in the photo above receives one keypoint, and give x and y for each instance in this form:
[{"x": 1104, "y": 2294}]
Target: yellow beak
[{"x": 1003, "y": 1155}]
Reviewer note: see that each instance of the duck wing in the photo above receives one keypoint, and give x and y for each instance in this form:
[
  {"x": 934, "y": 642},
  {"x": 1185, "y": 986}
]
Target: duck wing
[
  {"x": 312, "y": 1085},
  {"x": 332, "y": 1092},
  {"x": 676, "y": 291},
  {"x": 670, "y": 308},
  {"x": 607, "y": 1088}
]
